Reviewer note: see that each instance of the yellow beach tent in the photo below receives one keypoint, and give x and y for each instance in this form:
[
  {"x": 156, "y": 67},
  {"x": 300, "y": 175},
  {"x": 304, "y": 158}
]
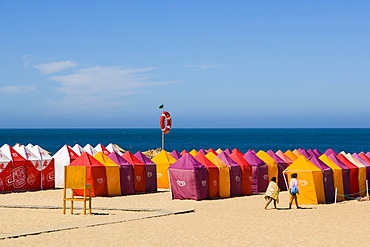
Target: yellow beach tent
[
  {"x": 272, "y": 166},
  {"x": 113, "y": 174},
  {"x": 310, "y": 181},
  {"x": 224, "y": 175},
  {"x": 163, "y": 160},
  {"x": 337, "y": 175},
  {"x": 193, "y": 152},
  {"x": 219, "y": 151},
  {"x": 361, "y": 172},
  {"x": 291, "y": 155}
]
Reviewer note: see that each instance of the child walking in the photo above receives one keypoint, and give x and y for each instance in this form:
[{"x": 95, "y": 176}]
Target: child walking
[
  {"x": 293, "y": 190},
  {"x": 272, "y": 193}
]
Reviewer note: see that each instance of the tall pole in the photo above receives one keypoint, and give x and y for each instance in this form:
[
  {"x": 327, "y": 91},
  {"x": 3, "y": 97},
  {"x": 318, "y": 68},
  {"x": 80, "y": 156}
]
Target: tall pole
[{"x": 162, "y": 131}]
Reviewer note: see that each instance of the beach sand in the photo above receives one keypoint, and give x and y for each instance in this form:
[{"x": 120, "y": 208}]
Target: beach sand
[{"x": 238, "y": 221}]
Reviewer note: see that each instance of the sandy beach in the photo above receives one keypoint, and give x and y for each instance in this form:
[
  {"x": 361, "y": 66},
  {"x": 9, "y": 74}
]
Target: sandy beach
[{"x": 239, "y": 221}]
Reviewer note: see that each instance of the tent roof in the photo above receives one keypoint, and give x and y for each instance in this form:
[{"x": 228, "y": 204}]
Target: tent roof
[
  {"x": 339, "y": 163},
  {"x": 100, "y": 148},
  {"x": 187, "y": 162},
  {"x": 175, "y": 154},
  {"x": 130, "y": 157},
  {"x": 204, "y": 160},
  {"x": 238, "y": 158},
  {"x": 40, "y": 153},
  {"x": 26, "y": 153},
  {"x": 102, "y": 158},
  {"x": 4, "y": 158},
  {"x": 11, "y": 153},
  {"x": 302, "y": 163},
  {"x": 143, "y": 158},
  {"x": 163, "y": 158},
  {"x": 265, "y": 157},
  {"x": 86, "y": 160},
  {"x": 88, "y": 148},
  {"x": 275, "y": 157},
  {"x": 226, "y": 159},
  {"x": 319, "y": 163},
  {"x": 202, "y": 151},
  {"x": 283, "y": 156},
  {"x": 330, "y": 151},
  {"x": 329, "y": 162},
  {"x": 252, "y": 158},
  {"x": 215, "y": 160},
  {"x": 118, "y": 159}
]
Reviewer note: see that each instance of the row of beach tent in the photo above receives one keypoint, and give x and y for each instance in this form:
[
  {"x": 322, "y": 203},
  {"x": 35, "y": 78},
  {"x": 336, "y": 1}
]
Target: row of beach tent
[
  {"x": 25, "y": 168},
  {"x": 323, "y": 177}
]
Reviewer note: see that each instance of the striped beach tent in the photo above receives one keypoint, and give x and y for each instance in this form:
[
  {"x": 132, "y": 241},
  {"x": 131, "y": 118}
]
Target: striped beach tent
[
  {"x": 213, "y": 175},
  {"x": 100, "y": 148},
  {"x": 126, "y": 173},
  {"x": 150, "y": 171},
  {"x": 139, "y": 171},
  {"x": 246, "y": 169},
  {"x": 47, "y": 167},
  {"x": 259, "y": 172},
  {"x": 113, "y": 174},
  {"x": 224, "y": 175},
  {"x": 235, "y": 174}
]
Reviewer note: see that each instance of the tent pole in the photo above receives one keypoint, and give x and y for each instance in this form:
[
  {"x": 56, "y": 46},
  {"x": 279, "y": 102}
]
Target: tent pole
[
  {"x": 367, "y": 190},
  {"x": 336, "y": 194},
  {"x": 286, "y": 183},
  {"x": 162, "y": 140}
]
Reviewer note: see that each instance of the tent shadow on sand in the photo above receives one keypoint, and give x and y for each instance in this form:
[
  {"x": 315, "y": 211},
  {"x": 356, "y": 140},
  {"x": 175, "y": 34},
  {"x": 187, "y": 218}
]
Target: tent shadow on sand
[{"x": 294, "y": 208}]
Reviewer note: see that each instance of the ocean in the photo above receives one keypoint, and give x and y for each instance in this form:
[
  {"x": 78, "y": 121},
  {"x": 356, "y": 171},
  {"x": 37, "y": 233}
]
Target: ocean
[{"x": 348, "y": 140}]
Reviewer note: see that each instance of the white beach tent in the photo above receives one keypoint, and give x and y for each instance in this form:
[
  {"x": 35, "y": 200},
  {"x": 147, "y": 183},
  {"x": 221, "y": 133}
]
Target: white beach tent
[
  {"x": 47, "y": 167},
  {"x": 62, "y": 158},
  {"x": 78, "y": 149},
  {"x": 90, "y": 149},
  {"x": 30, "y": 146},
  {"x": 6, "y": 180},
  {"x": 101, "y": 148},
  {"x": 112, "y": 147},
  {"x": 34, "y": 171}
]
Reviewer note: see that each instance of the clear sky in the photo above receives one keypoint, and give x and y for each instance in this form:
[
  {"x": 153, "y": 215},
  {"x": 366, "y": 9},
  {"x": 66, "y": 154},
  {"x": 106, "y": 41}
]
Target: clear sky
[{"x": 244, "y": 64}]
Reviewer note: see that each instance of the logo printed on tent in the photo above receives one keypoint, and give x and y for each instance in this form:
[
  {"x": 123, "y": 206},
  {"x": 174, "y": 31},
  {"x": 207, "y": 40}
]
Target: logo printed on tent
[
  {"x": 9, "y": 180},
  {"x": 150, "y": 174},
  {"x": 129, "y": 178},
  {"x": 42, "y": 153},
  {"x": 215, "y": 182},
  {"x": 303, "y": 182},
  {"x": 204, "y": 183},
  {"x": 14, "y": 155},
  {"x": 265, "y": 177},
  {"x": 71, "y": 154},
  {"x": 237, "y": 178},
  {"x": 19, "y": 175},
  {"x": 181, "y": 183},
  {"x": 138, "y": 178},
  {"x": 105, "y": 152},
  {"x": 100, "y": 180},
  {"x": 50, "y": 177},
  {"x": 159, "y": 175},
  {"x": 31, "y": 179}
]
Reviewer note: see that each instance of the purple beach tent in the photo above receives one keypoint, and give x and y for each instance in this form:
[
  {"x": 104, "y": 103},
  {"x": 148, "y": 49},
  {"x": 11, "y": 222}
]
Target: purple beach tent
[
  {"x": 202, "y": 151},
  {"x": 227, "y": 151},
  {"x": 175, "y": 154},
  {"x": 188, "y": 179},
  {"x": 327, "y": 177},
  {"x": 345, "y": 173},
  {"x": 126, "y": 173},
  {"x": 312, "y": 153},
  {"x": 304, "y": 153},
  {"x": 282, "y": 165},
  {"x": 259, "y": 172},
  {"x": 330, "y": 151},
  {"x": 150, "y": 171},
  {"x": 317, "y": 152},
  {"x": 235, "y": 174}
]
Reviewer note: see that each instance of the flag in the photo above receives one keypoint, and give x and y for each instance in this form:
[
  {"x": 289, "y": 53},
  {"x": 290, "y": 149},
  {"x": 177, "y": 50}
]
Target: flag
[{"x": 161, "y": 106}]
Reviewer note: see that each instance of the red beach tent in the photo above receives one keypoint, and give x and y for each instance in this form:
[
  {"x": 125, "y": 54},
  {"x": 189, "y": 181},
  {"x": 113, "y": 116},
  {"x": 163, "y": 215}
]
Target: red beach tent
[
  {"x": 96, "y": 175},
  {"x": 246, "y": 169},
  {"x": 47, "y": 168},
  {"x": 213, "y": 175},
  {"x": 6, "y": 180},
  {"x": 150, "y": 170}
]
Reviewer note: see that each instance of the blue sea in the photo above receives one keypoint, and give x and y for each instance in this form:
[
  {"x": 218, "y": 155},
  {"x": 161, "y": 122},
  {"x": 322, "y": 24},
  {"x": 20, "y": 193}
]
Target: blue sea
[{"x": 348, "y": 140}]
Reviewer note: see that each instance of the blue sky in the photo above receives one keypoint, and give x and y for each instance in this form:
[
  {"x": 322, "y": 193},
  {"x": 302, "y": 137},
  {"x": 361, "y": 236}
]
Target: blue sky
[{"x": 226, "y": 64}]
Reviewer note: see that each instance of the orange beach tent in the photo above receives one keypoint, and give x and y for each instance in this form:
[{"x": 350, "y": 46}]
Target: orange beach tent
[
  {"x": 213, "y": 175},
  {"x": 224, "y": 175},
  {"x": 113, "y": 174},
  {"x": 163, "y": 160},
  {"x": 310, "y": 180}
]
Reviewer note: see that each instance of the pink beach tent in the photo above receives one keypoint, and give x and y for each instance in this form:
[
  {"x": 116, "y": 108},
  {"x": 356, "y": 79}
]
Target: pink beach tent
[
  {"x": 282, "y": 156},
  {"x": 150, "y": 170},
  {"x": 188, "y": 179},
  {"x": 175, "y": 154}
]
